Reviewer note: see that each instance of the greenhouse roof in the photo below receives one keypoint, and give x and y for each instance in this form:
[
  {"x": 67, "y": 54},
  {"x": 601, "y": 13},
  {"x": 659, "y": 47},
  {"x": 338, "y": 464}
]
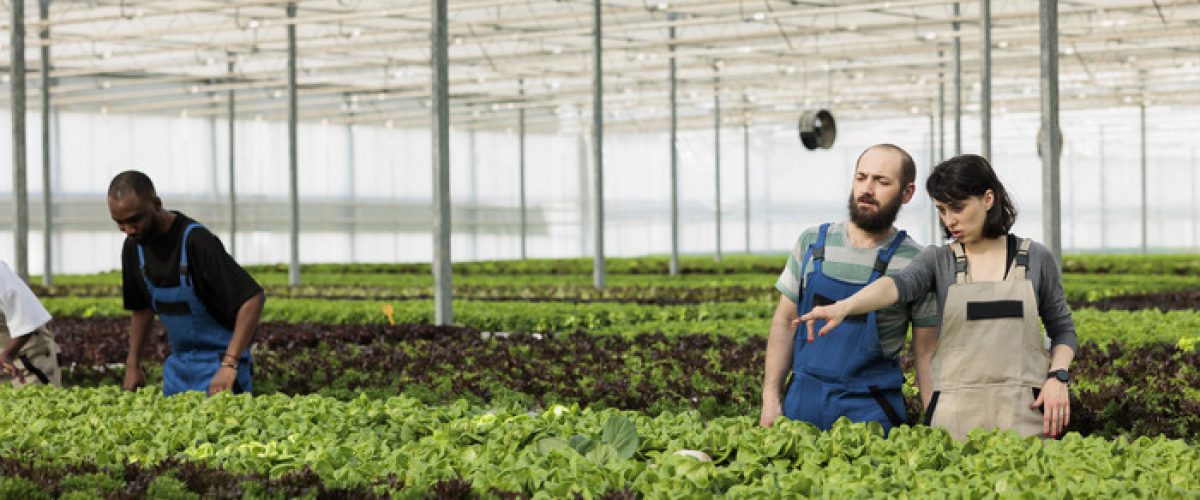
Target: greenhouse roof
[{"x": 368, "y": 61}]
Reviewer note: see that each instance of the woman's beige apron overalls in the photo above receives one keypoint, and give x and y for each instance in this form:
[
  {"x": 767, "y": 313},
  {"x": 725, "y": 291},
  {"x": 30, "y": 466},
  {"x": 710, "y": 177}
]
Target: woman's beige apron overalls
[
  {"x": 37, "y": 363},
  {"x": 990, "y": 361}
]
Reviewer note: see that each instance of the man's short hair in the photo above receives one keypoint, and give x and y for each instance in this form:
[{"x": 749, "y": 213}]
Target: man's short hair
[
  {"x": 131, "y": 181},
  {"x": 908, "y": 168}
]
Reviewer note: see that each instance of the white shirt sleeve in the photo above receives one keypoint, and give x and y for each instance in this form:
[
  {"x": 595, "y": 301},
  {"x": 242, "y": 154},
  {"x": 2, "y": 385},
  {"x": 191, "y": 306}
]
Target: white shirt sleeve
[{"x": 21, "y": 308}]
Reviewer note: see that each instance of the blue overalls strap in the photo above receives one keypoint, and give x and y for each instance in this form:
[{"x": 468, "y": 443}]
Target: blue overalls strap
[
  {"x": 146, "y": 280},
  {"x": 885, "y": 255},
  {"x": 184, "y": 278},
  {"x": 815, "y": 251}
]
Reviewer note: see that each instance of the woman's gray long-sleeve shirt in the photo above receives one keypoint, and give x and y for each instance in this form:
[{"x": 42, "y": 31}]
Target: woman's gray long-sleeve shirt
[{"x": 933, "y": 269}]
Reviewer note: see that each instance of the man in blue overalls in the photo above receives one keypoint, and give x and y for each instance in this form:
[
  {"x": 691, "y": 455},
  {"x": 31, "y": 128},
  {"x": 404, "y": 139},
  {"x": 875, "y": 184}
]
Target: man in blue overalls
[
  {"x": 176, "y": 268},
  {"x": 854, "y": 371}
]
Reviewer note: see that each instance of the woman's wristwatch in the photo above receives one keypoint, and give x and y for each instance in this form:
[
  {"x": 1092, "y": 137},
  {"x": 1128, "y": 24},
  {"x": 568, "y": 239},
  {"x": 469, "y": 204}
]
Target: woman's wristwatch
[{"x": 1062, "y": 375}]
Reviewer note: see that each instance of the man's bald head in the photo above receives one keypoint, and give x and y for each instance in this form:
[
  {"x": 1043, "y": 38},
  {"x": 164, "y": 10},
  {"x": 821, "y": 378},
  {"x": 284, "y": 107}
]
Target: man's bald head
[{"x": 131, "y": 182}]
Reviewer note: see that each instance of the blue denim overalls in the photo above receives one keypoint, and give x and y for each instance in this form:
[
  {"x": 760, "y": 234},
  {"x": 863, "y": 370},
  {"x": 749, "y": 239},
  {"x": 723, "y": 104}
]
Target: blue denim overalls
[
  {"x": 197, "y": 340},
  {"x": 845, "y": 372}
]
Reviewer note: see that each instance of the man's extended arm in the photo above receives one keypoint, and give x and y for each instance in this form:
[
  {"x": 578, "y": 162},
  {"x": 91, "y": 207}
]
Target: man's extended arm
[
  {"x": 243, "y": 330},
  {"x": 139, "y": 324},
  {"x": 779, "y": 360}
]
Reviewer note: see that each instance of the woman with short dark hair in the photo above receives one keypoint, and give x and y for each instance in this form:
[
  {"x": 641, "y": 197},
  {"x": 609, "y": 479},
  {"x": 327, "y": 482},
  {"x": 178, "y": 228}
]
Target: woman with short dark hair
[{"x": 995, "y": 291}]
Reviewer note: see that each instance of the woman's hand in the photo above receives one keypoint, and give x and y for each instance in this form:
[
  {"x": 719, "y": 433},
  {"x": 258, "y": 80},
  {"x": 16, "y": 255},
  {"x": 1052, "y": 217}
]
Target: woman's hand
[
  {"x": 833, "y": 314},
  {"x": 1056, "y": 405}
]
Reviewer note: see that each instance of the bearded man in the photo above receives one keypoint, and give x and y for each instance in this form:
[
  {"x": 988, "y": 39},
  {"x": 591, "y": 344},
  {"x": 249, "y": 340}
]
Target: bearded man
[{"x": 852, "y": 371}]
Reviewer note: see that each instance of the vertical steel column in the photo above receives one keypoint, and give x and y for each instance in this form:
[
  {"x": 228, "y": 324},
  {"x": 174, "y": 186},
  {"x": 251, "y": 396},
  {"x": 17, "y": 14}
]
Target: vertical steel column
[
  {"x": 232, "y": 98},
  {"x": 352, "y": 183},
  {"x": 521, "y": 165},
  {"x": 941, "y": 109},
  {"x": 1069, "y": 175},
  {"x": 47, "y": 213},
  {"x": 16, "y": 71},
  {"x": 935, "y": 222},
  {"x": 674, "y": 264},
  {"x": 746, "y": 182},
  {"x": 985, "y": 77},
  {"x": 293, "y": 160},
  {"x": 717, "y": 155},
  {"x": 1142, "y": 144},
  {"x": 1103, "y": 199},
  {"x": 598, "y": 145},
  {"x": 443, "y": 309},
  {"x": 957, "y": 85},
  {"x": 214, "y": 165},
  {"x": 1195, "y": 220},
  {"x": 1051, "y": 209},
  {"x": 473, "y": 191}
]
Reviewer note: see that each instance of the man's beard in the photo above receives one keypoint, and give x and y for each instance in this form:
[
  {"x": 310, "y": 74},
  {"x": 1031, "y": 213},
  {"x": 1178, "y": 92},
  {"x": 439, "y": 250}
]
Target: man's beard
[
  {"x": 879, "y": 221},
  {"x": 149, "y": 233}
]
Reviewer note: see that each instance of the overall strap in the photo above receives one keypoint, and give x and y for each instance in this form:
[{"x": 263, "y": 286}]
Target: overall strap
[
  {"x": 960, "y": 263},
  {"x": 885, "y": 255},
  {"x": 184, "y": 278},
  {"x": 142, "y": 263},
  {"x": 1020, "y": 264},
  {"x": 816, "y": 252}
]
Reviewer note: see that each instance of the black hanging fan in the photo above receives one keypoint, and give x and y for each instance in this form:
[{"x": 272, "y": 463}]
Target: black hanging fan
[{"x": 817, "y": 129}]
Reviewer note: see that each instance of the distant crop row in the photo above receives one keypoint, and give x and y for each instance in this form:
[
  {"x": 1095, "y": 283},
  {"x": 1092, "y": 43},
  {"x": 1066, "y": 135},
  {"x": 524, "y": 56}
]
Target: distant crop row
[{"x": 741, "y": 320}]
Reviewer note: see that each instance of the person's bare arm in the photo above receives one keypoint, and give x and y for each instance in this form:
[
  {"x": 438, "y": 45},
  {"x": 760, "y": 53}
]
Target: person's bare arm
[
  {"x": 243, "y": 329},
  {"x": 779, "y": 360},
  {"x": 139, "y": 324},
  {"x": 873, "y": 297},
  {"x": 9, "y": 353},
  {"x": 924, "y": 345}
]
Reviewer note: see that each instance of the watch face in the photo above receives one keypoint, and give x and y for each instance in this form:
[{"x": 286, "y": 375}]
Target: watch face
[{"x": 1062, "y": 375}]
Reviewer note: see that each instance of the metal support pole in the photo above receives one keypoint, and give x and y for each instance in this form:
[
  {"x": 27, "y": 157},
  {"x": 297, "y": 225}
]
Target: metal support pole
[
  {"x": 443, "y": 309},
  {"x": 473, "y": 191},
  {"x": 521, "y": 165},
  {"x": 352, "y": 183},
  {"x": 985, "y": 77},
  {"x": 957, "y": 86},
  {"x": 674, "y": 264},
  {"x": 935, "y": 222},
  {"x": 1069, "y": 175},
  {"x": 717, "y": 156},
  {"x": 1051, "y": 209},
  {"x": 1142, "y": 143},
  {"x": 1195, "y": 219},
  {"x": 1103, "y": 199},
  {"x": 47, "y": 195},
  {"x": 16, "y": 73},
  {"x": 214, "y": 163},
  {"x": 232, "y": 98},
  {"x": 598, "y": 146},
  {"x": 293, "y": 163},
  {"x": 746, "y": 182},
  {"x": 941, "y": 109}
]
